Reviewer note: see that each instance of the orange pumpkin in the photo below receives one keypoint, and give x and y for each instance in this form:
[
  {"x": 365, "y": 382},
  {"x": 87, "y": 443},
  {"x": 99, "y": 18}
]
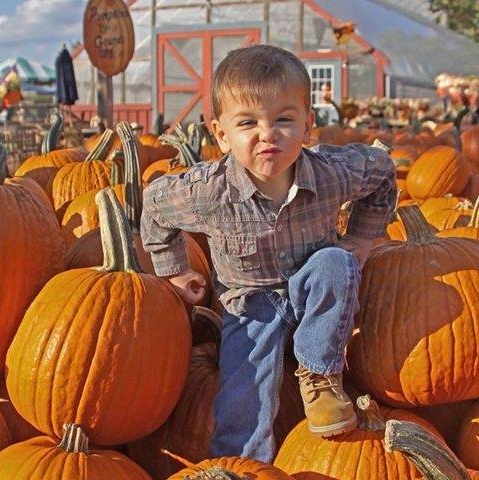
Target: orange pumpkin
[
  {"x": 467, "y": 441},
  {"x": 41, "y": 458},
  {"x": 31, "y": 246},
  {"x": 446, "y": 218},
  {"x": 19, "y": 429},
  {"x": 42, "y": 168},
  {"x": 73, "y": 179},
  {"x": 95, "y": 341},
  {"x": 228, "y": 467},
  {"x": 357, "y": 455},
  {"x": 470, "y": 145},
  {"x": 471, "y": 230},
  {"x": 438, "y": 171},
  {"x": 418, "y": 302}
]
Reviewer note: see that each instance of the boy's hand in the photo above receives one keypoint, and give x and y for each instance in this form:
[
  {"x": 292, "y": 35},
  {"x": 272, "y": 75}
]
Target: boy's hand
[
  {"x": 190, "y": 285},
  {"x": 358, "y": 246}
]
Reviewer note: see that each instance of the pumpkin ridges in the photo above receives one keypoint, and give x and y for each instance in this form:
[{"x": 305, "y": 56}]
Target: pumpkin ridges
[
  {"x": 42, "y": 168},
  {"x": 42, "y": 458},
  {"x": 418, "y": 331},
  {"x": 130, "y": 314},
  {"x": 238, "y": 465},
  {"x": 30, "y": 234},
  {"x": 438, "y": 171}
]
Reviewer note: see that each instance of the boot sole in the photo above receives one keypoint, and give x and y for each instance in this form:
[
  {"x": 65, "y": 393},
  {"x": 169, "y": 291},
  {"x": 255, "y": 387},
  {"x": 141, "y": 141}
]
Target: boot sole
[{"x": 334, "y": 429}]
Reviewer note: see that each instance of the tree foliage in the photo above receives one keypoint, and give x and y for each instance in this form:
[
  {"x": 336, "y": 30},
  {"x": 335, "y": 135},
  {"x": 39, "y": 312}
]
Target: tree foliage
[{"x": 461, "y": 15}]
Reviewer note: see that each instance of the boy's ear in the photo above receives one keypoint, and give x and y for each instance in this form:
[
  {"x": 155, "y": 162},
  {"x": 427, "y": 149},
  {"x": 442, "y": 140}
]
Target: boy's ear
[{"x": 220, "y": 136}]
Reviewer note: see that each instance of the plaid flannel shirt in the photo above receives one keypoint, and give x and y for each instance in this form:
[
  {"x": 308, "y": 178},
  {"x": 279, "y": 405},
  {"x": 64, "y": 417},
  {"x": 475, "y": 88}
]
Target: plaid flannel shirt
[{"x": 252, "y": 246}]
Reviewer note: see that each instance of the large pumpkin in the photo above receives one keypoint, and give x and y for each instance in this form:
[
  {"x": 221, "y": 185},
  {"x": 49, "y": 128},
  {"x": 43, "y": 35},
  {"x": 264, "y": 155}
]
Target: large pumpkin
[
  {"x": 357, "y": 455},
  {"x": 419, "y": 303},
  {"x": 106, "y": 348},
  {"x": 31, "y": 249},
  {"x": 43, "y": 458}
]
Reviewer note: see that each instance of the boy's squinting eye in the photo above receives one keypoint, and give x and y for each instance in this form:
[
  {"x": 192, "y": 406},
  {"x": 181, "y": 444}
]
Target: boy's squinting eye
[
  {"x": 246, "y": 123},
  {"x": 285, "y": 119}
]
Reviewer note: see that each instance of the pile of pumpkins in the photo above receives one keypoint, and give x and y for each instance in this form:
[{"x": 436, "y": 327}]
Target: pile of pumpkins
[{"x": 107, "y": 373}]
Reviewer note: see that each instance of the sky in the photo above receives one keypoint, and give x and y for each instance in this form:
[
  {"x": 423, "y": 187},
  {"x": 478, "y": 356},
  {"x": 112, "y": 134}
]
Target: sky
[{"x": 37, "y": 29}]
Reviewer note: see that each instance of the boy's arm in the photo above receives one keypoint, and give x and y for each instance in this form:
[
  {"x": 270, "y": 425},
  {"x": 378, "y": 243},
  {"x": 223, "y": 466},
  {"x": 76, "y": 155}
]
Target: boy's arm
[
  {"x": 375, "y": 201},
  {"x": 161, "y": 226}
]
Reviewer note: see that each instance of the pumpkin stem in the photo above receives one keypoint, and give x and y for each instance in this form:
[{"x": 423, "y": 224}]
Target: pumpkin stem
[
  {"x": 182, "y": 460},
  {"x": 102, "y": 147},
  {"x": 186, "y": 154},
  {"x": 117, "y": 174},
  {"x": 418, "y": 230},
  {"x": 74, "y": 439},
  {"x": 133, "y": 192},
  {"x": 369, "y": 417},
  {"x": 116, "y": 237},
  {"x": 50, "y": 140},
  {"x": 474, "y": 220},
  {"x": 433, "y": 458}
]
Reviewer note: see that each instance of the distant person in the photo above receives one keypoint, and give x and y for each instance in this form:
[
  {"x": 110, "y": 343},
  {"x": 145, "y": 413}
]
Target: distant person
[{"x": 269, "y": 209}]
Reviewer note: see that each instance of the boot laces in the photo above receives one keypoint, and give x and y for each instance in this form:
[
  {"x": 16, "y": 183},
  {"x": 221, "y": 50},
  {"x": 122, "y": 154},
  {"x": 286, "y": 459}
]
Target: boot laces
[{"x": 315, "y": 383}]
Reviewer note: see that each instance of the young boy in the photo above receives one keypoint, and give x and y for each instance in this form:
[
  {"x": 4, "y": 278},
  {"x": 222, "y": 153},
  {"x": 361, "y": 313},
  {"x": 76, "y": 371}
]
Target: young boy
[{"x": 269, "y": 209}]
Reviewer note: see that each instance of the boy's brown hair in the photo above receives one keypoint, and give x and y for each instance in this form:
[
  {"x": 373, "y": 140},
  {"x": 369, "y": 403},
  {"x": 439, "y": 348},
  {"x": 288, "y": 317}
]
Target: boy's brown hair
[{"x": 248, "y": 73}]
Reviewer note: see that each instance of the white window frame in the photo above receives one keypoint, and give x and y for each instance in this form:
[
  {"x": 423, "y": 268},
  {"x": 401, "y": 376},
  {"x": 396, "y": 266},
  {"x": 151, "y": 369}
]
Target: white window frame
[{"x": 318, "y": 72}]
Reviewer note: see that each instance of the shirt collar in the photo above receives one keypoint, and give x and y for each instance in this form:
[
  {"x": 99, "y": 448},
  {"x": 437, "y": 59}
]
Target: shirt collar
[{"x": 241, "y": 187}]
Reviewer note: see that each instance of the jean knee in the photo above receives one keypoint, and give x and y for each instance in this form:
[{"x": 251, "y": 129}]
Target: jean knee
[{"x": 333, "y": 259}]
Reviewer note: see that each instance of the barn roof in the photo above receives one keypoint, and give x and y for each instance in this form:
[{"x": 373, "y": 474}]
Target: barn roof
[{"x": 417, "y": 47}]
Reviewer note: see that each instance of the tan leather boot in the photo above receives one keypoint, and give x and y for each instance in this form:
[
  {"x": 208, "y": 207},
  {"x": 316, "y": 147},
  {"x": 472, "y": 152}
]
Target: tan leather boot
[{"x": 327, "y": 407}]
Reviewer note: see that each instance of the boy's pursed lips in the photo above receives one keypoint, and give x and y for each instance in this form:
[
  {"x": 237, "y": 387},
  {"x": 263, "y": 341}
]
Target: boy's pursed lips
[{"x": 269, "y": 150}]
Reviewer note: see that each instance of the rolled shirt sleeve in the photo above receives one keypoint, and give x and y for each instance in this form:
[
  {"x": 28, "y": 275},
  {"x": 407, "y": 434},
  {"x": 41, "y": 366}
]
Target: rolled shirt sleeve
[{"x": 160, "y": 233}]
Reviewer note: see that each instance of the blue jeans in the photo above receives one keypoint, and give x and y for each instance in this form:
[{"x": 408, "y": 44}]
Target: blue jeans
[{"x": 321, "y": 306}]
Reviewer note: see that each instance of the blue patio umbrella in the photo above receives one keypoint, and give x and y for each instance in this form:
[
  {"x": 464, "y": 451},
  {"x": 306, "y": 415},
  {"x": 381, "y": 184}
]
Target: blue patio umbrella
[
  {"x": 66, "y": 90},
  {"x": 29, "y": 71}
]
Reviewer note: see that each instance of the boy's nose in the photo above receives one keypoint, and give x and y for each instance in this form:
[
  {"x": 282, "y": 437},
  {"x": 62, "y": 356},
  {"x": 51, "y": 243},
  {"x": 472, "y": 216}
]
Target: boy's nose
[{"x": 267, "y": 133}]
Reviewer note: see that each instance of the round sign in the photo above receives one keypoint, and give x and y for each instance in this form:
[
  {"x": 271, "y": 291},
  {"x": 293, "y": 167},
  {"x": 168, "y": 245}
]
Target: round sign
[{"x": 108, "y": 35}]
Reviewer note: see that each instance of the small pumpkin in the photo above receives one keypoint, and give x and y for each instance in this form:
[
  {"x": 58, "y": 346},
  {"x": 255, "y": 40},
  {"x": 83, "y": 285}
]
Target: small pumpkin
[
  {"x": 438, "y": 171},
  {"x": 75, "y": 178},
  {"x": 233, "y": 468}
]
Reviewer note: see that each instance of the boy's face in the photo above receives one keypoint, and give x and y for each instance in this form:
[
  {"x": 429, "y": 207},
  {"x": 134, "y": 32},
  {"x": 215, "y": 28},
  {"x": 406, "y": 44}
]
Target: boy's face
[{"x": 265, "y": 137}]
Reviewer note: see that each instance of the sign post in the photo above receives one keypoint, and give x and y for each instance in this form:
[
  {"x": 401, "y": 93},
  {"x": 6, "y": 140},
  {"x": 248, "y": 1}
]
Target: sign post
[{"x": 109, "y": 40}]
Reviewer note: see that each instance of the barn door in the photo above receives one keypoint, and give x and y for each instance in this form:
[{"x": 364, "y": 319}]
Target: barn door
[{"x": 185, "y": 64}]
